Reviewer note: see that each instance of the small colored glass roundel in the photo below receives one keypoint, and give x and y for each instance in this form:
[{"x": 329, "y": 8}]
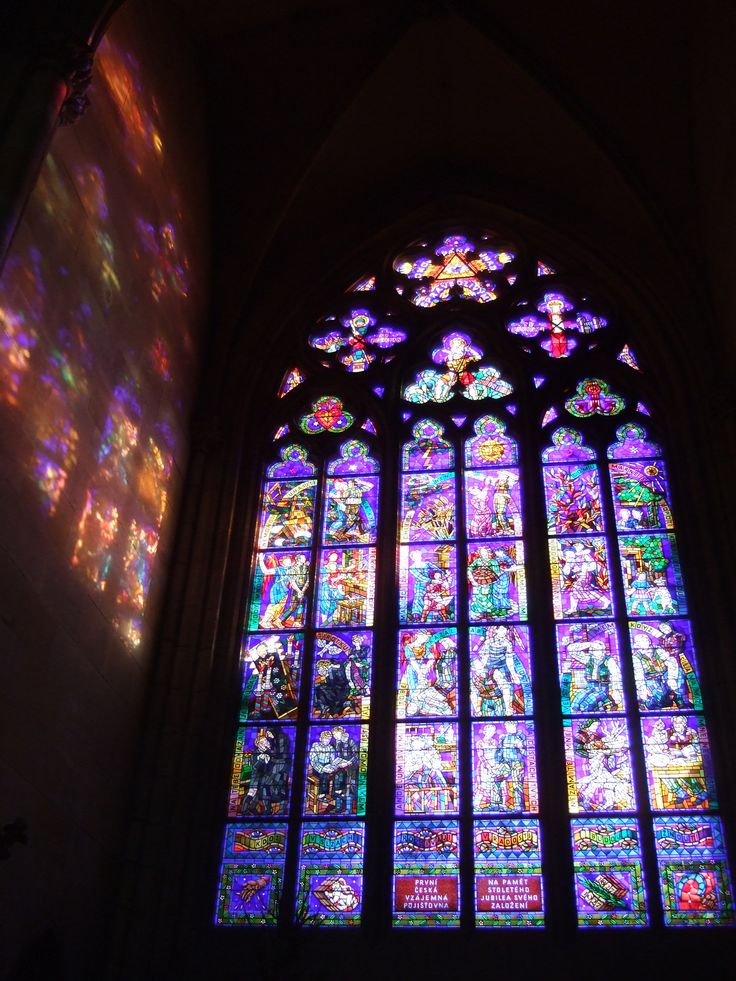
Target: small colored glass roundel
[{"x": 327, "y": 415}]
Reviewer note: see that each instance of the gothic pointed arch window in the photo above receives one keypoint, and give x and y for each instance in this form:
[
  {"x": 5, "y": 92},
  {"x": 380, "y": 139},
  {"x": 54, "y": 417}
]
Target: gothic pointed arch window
[{"x": 466, "y": 592}]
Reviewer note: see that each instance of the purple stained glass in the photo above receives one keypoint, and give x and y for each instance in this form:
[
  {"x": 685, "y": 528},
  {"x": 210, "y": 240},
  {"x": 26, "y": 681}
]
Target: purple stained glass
[
  {"x": 429, "y": 450},
  {"x": 594, "y": 398},
  {"x": 590, "y": 668},
  {"x": 427, "y": 507},
  {"x": 609, "y": 879},
  {"x": 287, "y": 514},
  {"x": 426, "y": 887},
  {"x": 341, "y": 681},
  {"x": 271, "y": 668},
  {"x": 426, "y": 768},
  {"x": 493, "y": 503},
  {"x": 346, "y": 587},
  {"x": 336, "y": 764},
  {"x": 558, "y": 342},
  {"x": 632, "y": 444},
  {"x": 678, "y": 763},
  {"x": 292, "y": 378},
  {"x": 357, "y": 340},
  {"x": 508, "y": 873},
  {"x": 650, "y": 566},
  {"x": 294, "y": 463},
  {"x": 665, "y": 669},
  {"x": 490, "y": 447},
  {"x": 504, "y": 768},
  {"x": 462, "y": 374},
  {"x": 261, "y": 775},
  {"x": 427, "y": 584},
  {"x": 640, "y": 495},
  {"x": 567, "y": 447},
  {"x": 252, "y": 873},
  {"x": 452, "y": 272},
  {"x": 573, "y": 496},
  {"x": 280, "y": 586},
  {"x": 500, "y": 671},
  {"x": 328, "y": 415},
  {"x": 427, "y": 676},
  {"x": 693, "y": 871},
  {"x": 354, "y": 458},
  {"x": 627, "y": 356},
  {"x": 330, "y": 873},
  {"x": 496, "y": 581},
  {"x": 351, "y": 510},
  {"x": 550, "y": 415},
  {"x": 598, "y": 760},
  {"x": 580, "y": 578}
]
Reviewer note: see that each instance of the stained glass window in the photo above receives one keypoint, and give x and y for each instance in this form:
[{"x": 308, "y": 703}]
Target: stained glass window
[{"x": 413, "y": 564}]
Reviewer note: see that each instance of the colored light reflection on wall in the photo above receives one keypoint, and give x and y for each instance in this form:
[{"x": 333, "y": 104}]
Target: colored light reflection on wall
[{"x": 96, "y": 320}]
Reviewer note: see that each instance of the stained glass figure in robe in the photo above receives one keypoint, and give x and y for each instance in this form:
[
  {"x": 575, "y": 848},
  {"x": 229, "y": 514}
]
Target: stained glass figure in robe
[
  {"x": 350, "y": 510},
  {"x": 342, "y": 675},
  {"x": 640, "y": 495},
  {"x": 462, "y": 373},
  {"x": 580, "y": 580},
  {"x": 496, "y": 581},
  {"x": 251, "y": 874},
  {"x": 598, "y": 761},
  {"x": 427, "y": 584},
  {"x": 426, "y": 873},
  {"x": 346, "y": 587},
  {"x": 573, "y": 498},
  {"x": 559, "y": 343},
  {"x": 693, "y": 871},
  {"x": 664, "y": 665},
  {"x": 271, "y": 666},
  {"x": 678, "y": 763},
  {"x": 500, "y": 672},
  {"x": 650, "y": 567},
  {"x": 427, "y": 682},
  {"x": 280, "y": 585},
  {"x": 330, "y": 874},
  {"x": 287, "y": 514},
  {"x": 262, "y": 767},
  {"x": 508, "y": 873},
  {"x": 492, "y": 503},
  {"x": 504, "y": 768},
  {"x": 426, "y": 768},
  {"x": 337, "y": 757},
  {"x": 590, "y": 668},
  {"x": 427, "y": 507},
  {"x": 609, "y": 879}
]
